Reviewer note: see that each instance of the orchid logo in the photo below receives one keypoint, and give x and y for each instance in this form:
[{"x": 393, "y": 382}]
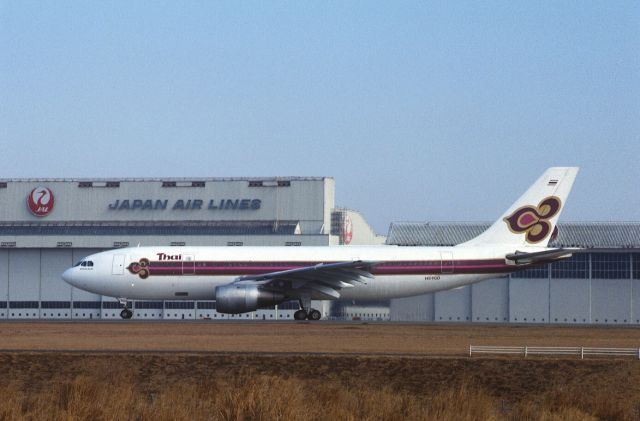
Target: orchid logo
[
  {"x": 140, "y": 268},
  {"x": 534, "y": 221}
]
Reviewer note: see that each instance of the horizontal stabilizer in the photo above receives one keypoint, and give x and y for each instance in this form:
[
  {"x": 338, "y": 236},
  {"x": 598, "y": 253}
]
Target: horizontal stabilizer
[{"x": 524, "y": 258}]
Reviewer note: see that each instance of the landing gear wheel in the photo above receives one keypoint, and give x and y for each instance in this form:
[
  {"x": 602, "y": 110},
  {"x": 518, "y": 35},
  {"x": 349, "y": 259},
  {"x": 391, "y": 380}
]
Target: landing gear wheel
[
  {"x": 126, "y": 314},
  {"x": 300, "y": 315},
  {"x": 314, "y": 315}
]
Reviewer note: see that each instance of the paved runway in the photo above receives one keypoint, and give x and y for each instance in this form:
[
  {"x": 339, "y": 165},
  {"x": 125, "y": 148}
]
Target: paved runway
[{"x": 352, "y": 338}]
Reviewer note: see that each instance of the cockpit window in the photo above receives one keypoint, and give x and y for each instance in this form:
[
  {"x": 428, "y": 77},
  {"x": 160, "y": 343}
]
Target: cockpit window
[
  {"x": 90, "y": 263},
  {"x": 78, "y": 264},
  {"x": 84, "y": 263}
]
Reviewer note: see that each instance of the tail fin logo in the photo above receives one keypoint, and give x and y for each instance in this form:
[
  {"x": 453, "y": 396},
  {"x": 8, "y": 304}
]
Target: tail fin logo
[{"x": 534, "y": 221}]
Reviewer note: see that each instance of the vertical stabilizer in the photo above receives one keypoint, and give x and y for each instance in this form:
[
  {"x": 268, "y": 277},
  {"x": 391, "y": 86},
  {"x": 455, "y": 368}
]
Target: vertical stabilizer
[{"x": 531, "y": 220}]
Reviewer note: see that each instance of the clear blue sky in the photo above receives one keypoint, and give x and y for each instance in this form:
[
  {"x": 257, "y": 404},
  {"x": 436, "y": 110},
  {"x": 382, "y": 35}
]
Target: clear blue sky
[{"x": 441, "y": 111}]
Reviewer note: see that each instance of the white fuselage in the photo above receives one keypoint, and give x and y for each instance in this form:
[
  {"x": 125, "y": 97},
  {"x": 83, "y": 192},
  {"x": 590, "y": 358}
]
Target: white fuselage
[{"x": 193, "y": 273}]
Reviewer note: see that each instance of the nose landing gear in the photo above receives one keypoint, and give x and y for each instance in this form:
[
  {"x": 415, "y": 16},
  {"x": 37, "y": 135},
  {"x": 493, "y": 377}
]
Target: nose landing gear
[{"x": 126, "y": 313}]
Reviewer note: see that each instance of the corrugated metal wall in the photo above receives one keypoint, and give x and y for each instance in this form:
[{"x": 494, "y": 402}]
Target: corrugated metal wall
[{"x": 523, "y": 299}]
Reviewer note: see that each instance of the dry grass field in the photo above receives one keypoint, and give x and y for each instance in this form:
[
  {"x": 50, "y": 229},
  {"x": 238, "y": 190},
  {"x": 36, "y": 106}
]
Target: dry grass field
[{"x": 124, "y": 371}]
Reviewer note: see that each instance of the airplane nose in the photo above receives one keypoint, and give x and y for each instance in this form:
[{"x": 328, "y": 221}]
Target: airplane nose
[{"x": 67, "y": 276}]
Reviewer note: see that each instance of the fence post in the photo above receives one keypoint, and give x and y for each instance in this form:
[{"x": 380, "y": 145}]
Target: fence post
[
  {"x": 525, "y": 351},
  {"x": 469, "y": 350}
]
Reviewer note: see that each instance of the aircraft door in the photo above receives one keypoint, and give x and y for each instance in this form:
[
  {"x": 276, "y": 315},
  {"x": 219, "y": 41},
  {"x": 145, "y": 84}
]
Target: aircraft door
[
  {"x": 188, "y": 265},
  {"x": 118, "y": 264},
  {"x": 446, "y": 262}
]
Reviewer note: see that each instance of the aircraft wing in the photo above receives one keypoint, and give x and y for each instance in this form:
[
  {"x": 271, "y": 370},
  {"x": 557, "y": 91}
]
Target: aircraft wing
[{"x": 322, "y": 279}]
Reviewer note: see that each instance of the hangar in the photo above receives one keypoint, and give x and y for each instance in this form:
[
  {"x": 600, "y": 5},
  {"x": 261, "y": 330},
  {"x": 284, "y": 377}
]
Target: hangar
[{"x": 46, "y": 225}]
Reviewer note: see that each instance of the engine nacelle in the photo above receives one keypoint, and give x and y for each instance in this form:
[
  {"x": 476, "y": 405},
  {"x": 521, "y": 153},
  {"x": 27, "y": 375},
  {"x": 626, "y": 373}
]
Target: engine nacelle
[{"x": 238, "y": 298}]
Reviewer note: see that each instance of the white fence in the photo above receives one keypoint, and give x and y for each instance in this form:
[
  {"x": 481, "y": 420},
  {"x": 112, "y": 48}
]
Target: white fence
[{"x": 547, "y": 350}]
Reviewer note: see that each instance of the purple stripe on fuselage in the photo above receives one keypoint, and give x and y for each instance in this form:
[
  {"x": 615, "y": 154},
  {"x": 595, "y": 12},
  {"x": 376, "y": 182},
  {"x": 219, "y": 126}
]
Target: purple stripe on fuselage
[{"x": 389, "y": 268}]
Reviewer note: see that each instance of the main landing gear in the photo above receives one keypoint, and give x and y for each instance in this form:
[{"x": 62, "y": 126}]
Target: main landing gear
[
  {"x": 306, "y": 312},
  {"x": 126, "y": 313},
  {"x": 303, "y": 315}
]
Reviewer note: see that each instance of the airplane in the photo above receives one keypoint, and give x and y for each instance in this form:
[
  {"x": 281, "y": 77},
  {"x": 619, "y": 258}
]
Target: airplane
[{"x": 244, "y": 279}]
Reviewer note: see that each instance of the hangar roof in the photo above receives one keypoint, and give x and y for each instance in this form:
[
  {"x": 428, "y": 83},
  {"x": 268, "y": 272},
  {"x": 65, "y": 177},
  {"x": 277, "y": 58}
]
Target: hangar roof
[
  {"x": 178, "y": 179},
  {"x": 83, "y": 228},
  {"x": 570, "y": 234}
]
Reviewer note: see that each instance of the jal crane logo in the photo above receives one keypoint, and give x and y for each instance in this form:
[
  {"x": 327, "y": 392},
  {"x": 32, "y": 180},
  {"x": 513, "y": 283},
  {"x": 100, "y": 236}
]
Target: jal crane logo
[{"x": 40, "y": 201}]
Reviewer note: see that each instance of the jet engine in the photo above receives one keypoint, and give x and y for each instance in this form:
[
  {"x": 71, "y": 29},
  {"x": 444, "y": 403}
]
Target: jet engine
[{"x": 238, "y": 298}]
